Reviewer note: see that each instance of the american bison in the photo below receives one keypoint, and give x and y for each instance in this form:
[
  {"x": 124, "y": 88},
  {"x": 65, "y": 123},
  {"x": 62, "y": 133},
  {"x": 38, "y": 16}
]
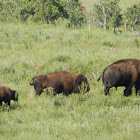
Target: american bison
[
  {"x": 61, "y": 82},
  {"x": 124, "y": 72},
  {"x": 6, "y": 94}
]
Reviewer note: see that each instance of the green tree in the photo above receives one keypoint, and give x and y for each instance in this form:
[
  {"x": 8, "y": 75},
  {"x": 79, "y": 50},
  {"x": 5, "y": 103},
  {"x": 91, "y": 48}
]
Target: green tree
[
  {"x": 27, "y": 10},
  {"x": 76, "y": 16},
  {"x": 107, "y": 14},
  {"x": 132, "y": 18},
  {"x": 42, "y": 10},
  {"x": 9, "y": 10}
]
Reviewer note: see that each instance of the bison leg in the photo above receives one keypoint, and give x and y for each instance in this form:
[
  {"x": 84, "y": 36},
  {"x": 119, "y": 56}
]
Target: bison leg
[
  {"x": 65, "y": 93},
  {"x": 9, "y": 103},
  {"x": 0, "y": 104},
  {"x": 107, "y": 86},
  {"x": 128, "y": 90},
  {"x": 106, "y": 90},
  {"x": 136, "y": 90},
  {"x": 54, "y": 93}
]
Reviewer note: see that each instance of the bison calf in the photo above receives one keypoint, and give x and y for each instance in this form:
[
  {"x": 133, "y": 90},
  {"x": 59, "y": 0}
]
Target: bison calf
[
  {"x": 6, "y": 94},
  {"x": 61, "y": 82},
  {"x": 122, "y": 73}
]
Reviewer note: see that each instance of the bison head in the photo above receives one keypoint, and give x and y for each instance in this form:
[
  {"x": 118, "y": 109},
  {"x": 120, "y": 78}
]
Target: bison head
[
  {"x": 81, "y": 84},
  {"x": 14, "y": 95}
]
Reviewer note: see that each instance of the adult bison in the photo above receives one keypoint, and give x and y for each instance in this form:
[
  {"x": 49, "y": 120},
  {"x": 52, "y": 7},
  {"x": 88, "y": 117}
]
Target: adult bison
[
  {"x": 124, "y": 72},
  {"x": 6, "y": 94},
  {"x": 61, "y": 82}
]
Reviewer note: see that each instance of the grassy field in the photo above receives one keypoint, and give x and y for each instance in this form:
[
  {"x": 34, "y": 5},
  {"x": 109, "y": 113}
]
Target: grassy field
[{"x": 25, "y": 53}]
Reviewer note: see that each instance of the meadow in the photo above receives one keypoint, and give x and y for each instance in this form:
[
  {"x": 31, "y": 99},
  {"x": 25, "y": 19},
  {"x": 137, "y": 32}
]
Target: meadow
[{"x": 26, "y": 52}]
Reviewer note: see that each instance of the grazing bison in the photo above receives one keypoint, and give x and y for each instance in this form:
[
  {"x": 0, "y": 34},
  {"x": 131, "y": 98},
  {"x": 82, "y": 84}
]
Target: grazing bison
[
  {"x": 6, "y": 94},
  {"x": 61, "y": 82},
  {"x": 124, "y": 72}
]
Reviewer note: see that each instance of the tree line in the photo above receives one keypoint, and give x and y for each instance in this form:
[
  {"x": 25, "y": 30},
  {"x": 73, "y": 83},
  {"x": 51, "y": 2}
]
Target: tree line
[
  {"x": 105, "y": 14},
  {"x": 108, "y": 14}
]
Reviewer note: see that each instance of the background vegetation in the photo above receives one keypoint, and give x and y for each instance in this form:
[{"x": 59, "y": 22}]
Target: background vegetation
[
  {"x": 32, "y": 48},
  {"x": 107, "y": 14}
]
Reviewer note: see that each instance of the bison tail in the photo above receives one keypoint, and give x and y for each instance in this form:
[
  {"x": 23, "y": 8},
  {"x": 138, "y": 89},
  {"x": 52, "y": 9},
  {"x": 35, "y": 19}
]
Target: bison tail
[
  {"x": 101, "y": 74},
  {"x": 32, "y": 82},
  {"x": 99, "y": 78}
]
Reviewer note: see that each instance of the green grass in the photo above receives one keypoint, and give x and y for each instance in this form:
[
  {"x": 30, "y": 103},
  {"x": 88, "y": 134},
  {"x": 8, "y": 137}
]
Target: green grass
[{"x": 24, "y": 53}]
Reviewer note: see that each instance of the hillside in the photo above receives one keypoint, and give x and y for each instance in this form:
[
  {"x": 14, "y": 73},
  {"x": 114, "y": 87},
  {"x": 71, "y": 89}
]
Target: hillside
[{"x": 26, "y": 51}]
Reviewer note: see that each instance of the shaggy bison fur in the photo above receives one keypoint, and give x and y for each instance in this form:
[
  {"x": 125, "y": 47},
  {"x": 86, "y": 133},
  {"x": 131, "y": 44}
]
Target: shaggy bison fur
[
  {"x": 61, "y": 82},
  {"x": 6, "y": 94},
  {"x": 124, "y": 72}
]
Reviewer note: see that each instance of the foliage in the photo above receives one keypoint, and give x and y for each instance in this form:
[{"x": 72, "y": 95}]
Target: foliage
[
  {"x": 48, "y": 11},
  {"x": 76, "y": 16},
  {"x": 27, "y": 10},
  {"x": 10, "y": 10},
  {"x": 107, "y": 14},
  {"x": 132, "y": 17},
  {"x": 43, "y": 10}
]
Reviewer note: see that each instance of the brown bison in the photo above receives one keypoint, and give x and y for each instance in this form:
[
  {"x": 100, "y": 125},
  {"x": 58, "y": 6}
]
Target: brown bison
[
  {"x": 61, "y": 82},
  {"x": 124, "y": 72},
  {"x": 6, "y": 94}
]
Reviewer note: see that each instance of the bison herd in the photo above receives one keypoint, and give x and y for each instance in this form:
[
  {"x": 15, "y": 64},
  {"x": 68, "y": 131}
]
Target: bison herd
[{"x": 124, "y": 72}]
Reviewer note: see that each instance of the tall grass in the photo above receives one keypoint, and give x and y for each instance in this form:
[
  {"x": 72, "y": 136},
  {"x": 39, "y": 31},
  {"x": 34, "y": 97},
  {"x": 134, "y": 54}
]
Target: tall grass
[{"x": 25, "y": 52}]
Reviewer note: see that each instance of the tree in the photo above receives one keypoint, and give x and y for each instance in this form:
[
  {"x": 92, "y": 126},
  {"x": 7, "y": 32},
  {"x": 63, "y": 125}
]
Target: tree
[
  {"x": 132, "y": 17},
  {"x": 9, "y": 10},
  {"x": 27, "y": 10},
  {"x": 42, "y": 10},
  {"x": 75, "y": 13},
  {"x": 107, "y": 14}
]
